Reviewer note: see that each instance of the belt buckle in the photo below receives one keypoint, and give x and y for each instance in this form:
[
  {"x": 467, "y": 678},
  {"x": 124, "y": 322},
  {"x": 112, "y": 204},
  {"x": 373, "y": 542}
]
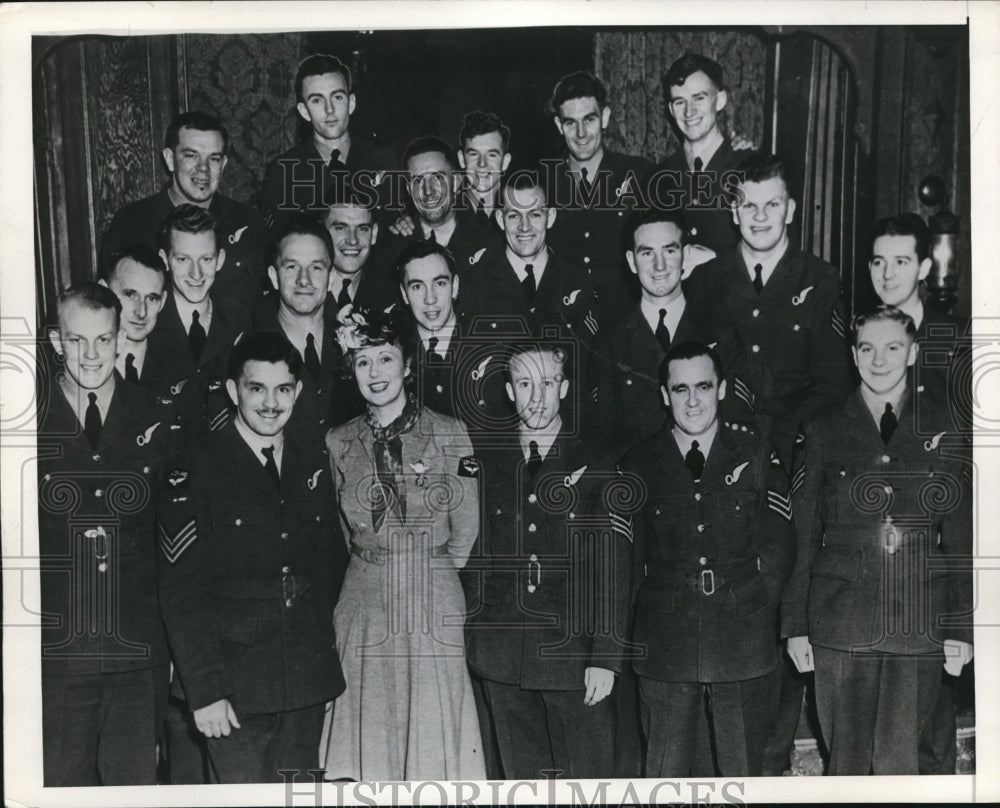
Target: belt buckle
[
  {"x": 288, "y": 589},
  {"x": 707, "y": 582}
]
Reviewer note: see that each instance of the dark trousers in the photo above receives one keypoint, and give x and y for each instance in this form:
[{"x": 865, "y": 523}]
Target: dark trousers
[
  {"x": 740, "y": 714},
  {"x": 938, "y": 752},
  {"x": 791, "y": 689},
  {"x": 267, "y": 743},
  {"x": 873, "y": 710},
  {"x": 187, "y": 755},
  {"x": 491, "y": 751},
  {"x": 101, "y": 729},
  {"x": 542, "y": 731}
]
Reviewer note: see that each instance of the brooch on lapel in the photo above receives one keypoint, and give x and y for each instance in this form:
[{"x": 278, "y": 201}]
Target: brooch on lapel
[
  {"x": 175, "y": 389},
  {"x": 570, "y": 299},
  {"x": 215, "y": 385},
  {"x": 932, "y": 444},
  {"x": 420, "y": 470},
  {"x": 474, "y": 258},
  {"x": 144, "y": 438},
  {"x": 235, "y": 237},
  {"x": 480, "y": 370},
  {"x": 734, "y": 476},
  {"x": 312, "y": 482},
  {"x": 800, "y": 298},
  {"x": 572, "y": 479}
]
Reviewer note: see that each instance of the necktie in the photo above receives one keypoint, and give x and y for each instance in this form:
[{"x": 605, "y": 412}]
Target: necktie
[
  {"x": 758, "y": 278},
  {"x": 887, "y": 424},
  {"x": 534, "y": 458},
  {"x": 432, "y": 354},
  {"x": 312, "y": 357},
  {"x": 270, "y": 466},
  {"x": 196, "y": 335},
  {"x": 92, "y": 421},
  {"x": 698, "y": 164},
  {"x": 662, "y": 332},
  {"x": 529, "y": 281},
  {"x": 131, "y": 374},
  {"x": 481, "y": 215},
  {"x": 335, "y": 161},
  {"x": 695, "y": 461},
  {"x": 432, "y": 238},
  {"x": 344, "y": 298},
  {"x": 585, "y": 185}
]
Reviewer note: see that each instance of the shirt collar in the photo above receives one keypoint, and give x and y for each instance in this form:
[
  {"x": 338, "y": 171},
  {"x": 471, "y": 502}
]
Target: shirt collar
[
  {"x": 705, "y": 441},
  {"x": 544, "y": 438},
  {"x": 593, "y": 165},
  {"x": 185, "y": 309},
  {"x": 257, "y": 442},
  {"x": 675, "y": 310},
  {"x": 444, "y": 335},
  {"x": 138, "y": 351},
  {"x": 297, "y": 331},
  {"x": 768, "y": 264},
  {"x": 876, "y": 403},
  {"x": 705, "y": 149},
  {"x": 537, "y": 264},
  {"x": 79, "y": 399},
  {"x": 443, "y": 232}
]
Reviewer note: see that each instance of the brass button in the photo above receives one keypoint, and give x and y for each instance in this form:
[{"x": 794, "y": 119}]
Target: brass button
[
  {"x": 284, "y": 534},
  {"x": 532, "y": 528},
  {"x": 755, "y": 348},
  {"x": 701, "y": 528},
  {"x": 703, "y": 561},
  {"x": 286, "y": 570},
  {"x": 97, "y": 458},
  {"x": 532, "y": 499},
  {"x": 697, "y": 497}
]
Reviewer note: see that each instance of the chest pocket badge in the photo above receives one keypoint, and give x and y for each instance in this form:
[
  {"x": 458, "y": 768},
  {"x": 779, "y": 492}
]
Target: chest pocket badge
[
  {"x": 235, "y": 237},
  {"x": 800, "y": 298},
  {"x": 572, "y": 479},
  {"x": 145, "y": 437},
  {"x": 734, "y": 476},
  {"x": 480, "y": 370},
  {"x": 313, "y": 481},
  {"x": 570, "y": 299}
]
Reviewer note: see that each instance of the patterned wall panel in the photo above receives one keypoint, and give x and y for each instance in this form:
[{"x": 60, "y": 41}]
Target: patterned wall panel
[
  {"x": 246, "y": 80},
  {"x": 632, "y": 65}
]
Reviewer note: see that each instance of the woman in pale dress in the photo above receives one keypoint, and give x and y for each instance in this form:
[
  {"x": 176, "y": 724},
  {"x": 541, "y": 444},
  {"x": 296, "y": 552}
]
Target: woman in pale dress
[{"x": 407, "y": 489}]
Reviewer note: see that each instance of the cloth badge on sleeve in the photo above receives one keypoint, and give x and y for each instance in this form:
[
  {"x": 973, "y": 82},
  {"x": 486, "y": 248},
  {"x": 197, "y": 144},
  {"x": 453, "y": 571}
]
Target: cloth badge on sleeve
[
  {"x": 219, "y": 420},
  {"x": 591, "y": 322},
  {"x": 780, "y": 504},
  {"x": 837, "y": 323},
  {"x": 743, "y": 392},
  {"x": 235, "y": 237},
  {"x": 174, "y": 544},
  {"x": 622, "y": 525},
  {"x": 798, "y": 478},
  {"x": 468, "y": 467}
]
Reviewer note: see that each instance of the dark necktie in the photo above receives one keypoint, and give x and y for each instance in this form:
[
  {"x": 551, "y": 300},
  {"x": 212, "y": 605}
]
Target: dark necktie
[
  {"x": 758, "y": 278},
  {"x": 432, "y": 355},
  {"x": 481, "y": 215},
  {"x": 534, "y": 458},
  {"x": 662, "y": 332},
  {"x": 335, "y": 161},
  {"x": 344, "y": 298},
  {"x": 695, "y": 461},
  {"x": 585, "y": 185},
  {"x": 432, "y": 238},
  {"x": 271, "y": 467},
  {"x": 196, "y": 335},
  {"x": 92, "y": 421},
  {"x": 529, "y": 281},
  {"x": 887, "y": 424},
  {"x": 698, "y": 164},
  {"x": 131, "y": 374},
  {"x": 312, "y": 357}
]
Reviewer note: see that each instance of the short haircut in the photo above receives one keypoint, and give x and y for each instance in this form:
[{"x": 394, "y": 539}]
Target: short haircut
[
  {"x": 525, "y": 180},
  {"x": 557, "y": 350},
  {"x": 263, "y": 346},
  {"x": 578, "y": 85},
  {"x": 689, "y": 349},
  {"x": 201, "y": 121},
  {"x": 690, "y": 63},
  {"x": 318, "y": 64},
  {"x": 140, "y": 253},
  {"x": 300, "y": 224},
  {"x": 880, "y": 314},
  {"x": 655, "y": 216},
  {"x": 907, "y": 224},
  {"x": 188, "y": 218},
  {"x": 341, "y": 190},
  {"x": 482, "y": 123},
  {"x": 427, "y": 144},
  {"x": 762, "y": 166},
  {"x": 423, "y": 248},
  {"x": 90, "y": 295}
]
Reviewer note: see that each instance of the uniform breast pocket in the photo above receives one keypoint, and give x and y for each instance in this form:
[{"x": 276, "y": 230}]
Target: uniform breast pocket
[
  {"x": 238, "y": 626},
  {"x": 837, "y": 564},
  {"x": 792, "y": 335}
]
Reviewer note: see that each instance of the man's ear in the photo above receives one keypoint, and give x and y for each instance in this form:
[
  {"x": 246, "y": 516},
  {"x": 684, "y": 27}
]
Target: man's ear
[
  {"x": 461, "y": 158},
  {"x": 550, "y": 218},
  {"x": 563, "y": 388},
  {"x": 56, "y": 341},
  {"x": 605, "y": 117},
  {"x": 402, "y": 291},
  {"x": 120, "y": 340},
  {"x": 454, "y": 287},
  {"x": 168, "y": 158},
  {"x": 791, "y": 211},
  {"x": 505, "y": 162},
  {"x": 630, "y": 258},
  {"x": 272, "y": 273},
  {"x": 352, "y": 102},
  {"x": 854, "y": 353},
  {"x": 721, "y": 100},
  {"x": 303, "y": 111},
  {"x": 374, "y": 232},
  {"x": 912, "y": 357},
  {"x": 722, "y": 390},
  {"x": 298, "y": 389},
  {"x": 222, "y": 259},
  {"x": 666, "y": 396},
  {"x": 925, "y": 267},
  {"x": 510, "y": 390},
  {"x": 498, "y": 215},
  {"x": 558, "y": 122},
  {"x": 231, "y": 390}
]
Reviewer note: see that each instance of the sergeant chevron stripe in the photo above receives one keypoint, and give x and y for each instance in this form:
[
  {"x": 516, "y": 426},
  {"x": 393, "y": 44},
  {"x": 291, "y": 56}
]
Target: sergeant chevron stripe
[
  {"x": 591, "y": 323},
  {"x": 837, "y": 323},
  {"x": 219, "y": 420},
  {"x": 174, "y": 546},
  {"x": 743, "y": 392},
  {"x": 780, "y": 504},
  {"x": 798, "y": 478},
  {"x": 621, "y": 525}
]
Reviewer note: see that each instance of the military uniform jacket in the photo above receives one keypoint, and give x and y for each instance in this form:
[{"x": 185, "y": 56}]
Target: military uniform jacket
[
  {"x": 97, "y": 533},
  {"x": 249, "y": 576},
  {"x": 790, "y": 337},
  {"x": 556, "y": 594},
  {"x": 625, "y": 374},
  {"x": 589, "y": 230},
  {"x": 944, "y": 367},
  {"x": 197, "y": 388},
  {"x": 705, "y": 197},
  {"x": 300, "y": 180},
  {"x": 881, "y": 532},
  {"x": 712, "y": 557},
  {"x": 241, "y": 281}
]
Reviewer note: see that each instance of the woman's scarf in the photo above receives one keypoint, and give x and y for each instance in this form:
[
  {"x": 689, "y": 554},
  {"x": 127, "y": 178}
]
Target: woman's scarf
[{"x": 389, "y": 490}]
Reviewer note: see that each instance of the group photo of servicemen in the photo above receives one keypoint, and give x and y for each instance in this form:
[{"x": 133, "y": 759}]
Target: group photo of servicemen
[{"x": 420, "y": 466}]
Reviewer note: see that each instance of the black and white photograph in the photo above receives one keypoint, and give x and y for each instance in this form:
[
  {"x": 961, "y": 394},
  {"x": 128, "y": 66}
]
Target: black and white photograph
[{"x": 499, "y": 402}]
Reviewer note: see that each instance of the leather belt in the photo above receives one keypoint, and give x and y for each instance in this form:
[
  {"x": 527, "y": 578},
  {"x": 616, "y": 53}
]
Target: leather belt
[
  {"x": 284, "y": 587},
  {"x": 704, "y": 580}
]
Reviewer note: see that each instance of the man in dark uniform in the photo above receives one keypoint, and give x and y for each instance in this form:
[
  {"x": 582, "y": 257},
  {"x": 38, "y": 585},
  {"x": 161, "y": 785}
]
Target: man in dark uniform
[
  {"x": 627, "y": 360},
  {"x": 137, "y": 276},
  {"x": 102, "y": 446},
  {"x": 700, "y": 177},
  {"x": 900, "y": 261},
  {"x": 879, "y": 599},
  {"x": 195, "y": 156},
  {"x": 484, "y": 142},
  {"x": 594, "y": 189},
  {"x": 714, "y": 545},
  {"x": 187, "y": 351},
  {"x": 303, "y": 177},
  {"x": 251, "y": 562},
  {"x": 306, "y": 315},
  {"x": 550, "y": 636}
]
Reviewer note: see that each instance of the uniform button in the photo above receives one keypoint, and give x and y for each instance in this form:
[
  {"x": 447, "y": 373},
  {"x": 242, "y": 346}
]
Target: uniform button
[
  {"x": 281, "y": 502},
  {"x": 532, "y": 528},
  {"x": 288, "y": 603},
  {"x": 499, "y": 511},
  {"x": 701, "y": 528},
  {"x": 286, "y": 570},
  {"x": 586, "y": 259},
  {"x": 628, "y": 381},
  {"x": 572, "y": 515},
  {"x": 322, "y": 421},
  {"x": 886, "y": 458},
  {"x": 47, "y": 477},
  {"x": 586, "y": 234},
  {"x": 755, "y": 348},
  {"x": 98, "y": 492},
  {"x": 493, "y": 325},
  {"x": 97, "y": 458},
  {"x": 284, "y": 534},
  {"x": 319, "y": 518},
  {"x": 532, "y": 499},
  {"x": 532, "y": 309},
  {"x": 703, "y": 561},
  {"x": 440, "y": 389},
  {"x": 756, "y": 312},
  {"x": 319, "y": 391},
  {"x": 238, "y": 522},
  {"x": 697, "y": 497},
  {"x": 888, "y": 489},
  {"x": 657, "y": 511}
]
